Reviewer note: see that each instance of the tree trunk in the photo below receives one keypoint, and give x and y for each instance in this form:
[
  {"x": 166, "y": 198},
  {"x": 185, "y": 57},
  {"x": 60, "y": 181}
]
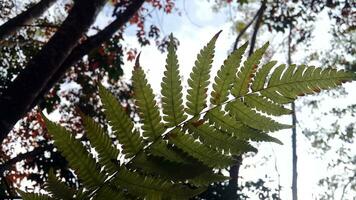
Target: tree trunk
[
  {"x": 232, "y": 188},
  {"x": 235, "y": 169},
  {"x": 294, "y": 129},
  {"x": 11, "y": 26},
  {"x": 18, "y": 98}
]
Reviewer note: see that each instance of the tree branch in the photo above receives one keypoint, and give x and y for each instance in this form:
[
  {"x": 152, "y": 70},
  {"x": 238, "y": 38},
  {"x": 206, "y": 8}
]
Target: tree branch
[
  {"x": 78, "y": 53},
  {"x": 257, "y": 27},
  {"x": 90, "y": 44},
  {"x": 18, "y": 98},
  {"x": 352, "y": 178},
  {"x": 7, "y": 164},
  {"x": 242, "y": 32},
  {"x": 11, "y": 26}
]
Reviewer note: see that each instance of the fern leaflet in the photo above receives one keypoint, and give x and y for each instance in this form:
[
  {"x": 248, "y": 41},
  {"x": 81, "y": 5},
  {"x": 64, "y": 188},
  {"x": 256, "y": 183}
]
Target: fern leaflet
[
  {"x": 265, "y": 105},
  {"x": 206, "y": 155},
  {"x": 253, "y": 119},
  {"x": 121, "y": 123},
  {"x": 247, "y": 71},
  {"x": 172, "y": 102},
  {"x": 226, "y": 76},
  {"x": 100, "y": 140},
  {"x": 199, "y": 79},
  {"x": 78, "y": 157},
  {"x": 152, "y": 187},
  {"x": 148, "y": 109},
  {"x": 219, "y": 140},
  {"x": 58, "y": 189}
]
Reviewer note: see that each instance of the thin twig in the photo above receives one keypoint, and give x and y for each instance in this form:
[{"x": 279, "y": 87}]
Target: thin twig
[
  {"x": 257, "y": 27},
  {"x": 347, "y": 184},
  {"x": 242, "y": 32}
]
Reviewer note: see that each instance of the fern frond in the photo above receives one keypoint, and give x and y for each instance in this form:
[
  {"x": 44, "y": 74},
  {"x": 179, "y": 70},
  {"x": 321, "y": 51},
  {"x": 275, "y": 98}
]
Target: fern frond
[
  {"x": 169, "y": 164},
  {"x": 109, "y": 192},
  {"x": 252, "y": 118},
  {"x": 206, "y": 155},
  {"x": 100, "y": 140},
  {"x": 261, "y": 76},
  {"x": 58, "y": 189},
  {"x": 152, "y": 187},
  {"x": 265, "y": 105},
  {"x": 229, "y": 125},
  {"x": 247, "y": 71},
  {"x": 226, "y": 76},
  {"x": 33, "y": 196},
  {"x": 82, "y": 194},
  {"x": 168, "y": 170},
  {"x": 147, "y": 106},
  {"x": 222, "y": 121},
  {"x": 172, "y": 102},
  {"x": 276, "y": 96},
  {"x": 218, "y": 140},
  {"x": 199, "y": 79},
  {"x": 161, "y": 149},
  {"x": 247, "y": 133},
  {"x": 75, "y": 153},
  {"x": 288, "y": 73},
  {"x": 276, "y": 75},
  {"x": 290, "y": 82},
  {"x": 208, "y": 178},
  {"x": 121, "y": 123}
]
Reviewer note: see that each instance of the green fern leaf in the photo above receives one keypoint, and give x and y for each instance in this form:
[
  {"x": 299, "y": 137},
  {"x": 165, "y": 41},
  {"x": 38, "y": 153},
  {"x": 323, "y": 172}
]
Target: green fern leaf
[
  {"x": 102, "y": 143},
  {"x": 121, "y": 123},
  {"x": 247, "y": 71},
  {"x": 276, "y": 97},
  {"x": 222, "y": 121},
  {"x": 82, "y": 194},
  {"x": 199, "y": 79},
  {"x": 276, "y": 75},
  {"x": 288, "y": 73},
  {"x": 152, "y": 187},
  {"x": 206, "y": 155},
  {"x": 265, "y": 105},
  {"x": 229, "y": 125},
  {"x": 33, "y": 196},
  {"x": 286, "y": 83},
  {"x": 109, "y": 192},
  {"x": 167, "y": 170},
  {"x": 248, "y": 133},
  {"x": 226, "y": 76},
  {"x": 217, "y": 139},
  {"x": 57, "y": 188},
  {"x": 172, "y": 102},
  {"x": 161, "y": 149},
  {"x": 147, "y": 107},
  {"x": 261, "y": 76},
  {"x": 208, "y": 178},
  {"x": 75, "y": 153},
  {"x": 253, "y": 119}
]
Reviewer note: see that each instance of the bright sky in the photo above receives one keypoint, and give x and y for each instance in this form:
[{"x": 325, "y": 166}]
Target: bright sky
[{"x": 194, "y": 29}]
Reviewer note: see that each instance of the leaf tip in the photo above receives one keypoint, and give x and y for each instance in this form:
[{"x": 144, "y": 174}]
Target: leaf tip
[
  {"x": 137, "y": 62},
  {"x": 217, "y": 34},
  {"x": 171, "y": 37}
]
